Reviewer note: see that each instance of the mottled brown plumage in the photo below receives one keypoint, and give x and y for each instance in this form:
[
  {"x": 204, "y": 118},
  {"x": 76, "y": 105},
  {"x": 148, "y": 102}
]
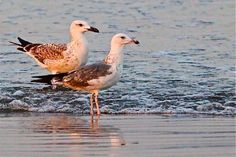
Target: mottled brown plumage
[{"x": 46, "y": 51}]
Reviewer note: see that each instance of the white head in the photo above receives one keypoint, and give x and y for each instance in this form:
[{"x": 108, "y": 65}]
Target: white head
[
  {"x": 118, "y": 41},
  {"x": 122, "y": 39},
  {"x": 79, "y": 26}
]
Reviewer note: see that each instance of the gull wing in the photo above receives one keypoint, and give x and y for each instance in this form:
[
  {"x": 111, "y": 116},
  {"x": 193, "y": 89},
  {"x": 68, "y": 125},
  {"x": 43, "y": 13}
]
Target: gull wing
[
  {"x": 46, "y": 51},
  {"x": 84, "y": 74}
]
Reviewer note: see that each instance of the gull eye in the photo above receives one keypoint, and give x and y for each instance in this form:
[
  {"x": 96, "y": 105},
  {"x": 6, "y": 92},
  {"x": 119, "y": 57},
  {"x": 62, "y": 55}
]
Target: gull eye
[
  {"x": 80, "y": 24},
  {"x": 122, "y": 37}
]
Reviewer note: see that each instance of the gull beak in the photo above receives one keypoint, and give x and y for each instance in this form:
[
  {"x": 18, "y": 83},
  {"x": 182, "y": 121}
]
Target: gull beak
[
  {"x": 134, "y": 41},
  {"x": 93, "y": 29}
]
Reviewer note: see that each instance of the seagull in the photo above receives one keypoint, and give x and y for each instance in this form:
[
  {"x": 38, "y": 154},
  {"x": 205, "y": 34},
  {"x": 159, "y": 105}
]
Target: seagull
[
  {"x": 95, "y": 77},
  {"x": 60, "y": 58}
]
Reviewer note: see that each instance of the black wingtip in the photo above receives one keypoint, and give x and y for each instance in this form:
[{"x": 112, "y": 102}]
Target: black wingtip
[
  {"x": 13, "y": 43},
  {"x": 20, "y": 48},
  {"x": 23, "y": 42},
  {"x": 47, "y": 79},
  {"x": 50, "y": 76},
  {"x": 44, "y": 81}
]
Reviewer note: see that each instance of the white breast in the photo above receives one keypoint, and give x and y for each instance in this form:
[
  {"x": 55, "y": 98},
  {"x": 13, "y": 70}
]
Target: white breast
[{"x": 107, "y": 81}]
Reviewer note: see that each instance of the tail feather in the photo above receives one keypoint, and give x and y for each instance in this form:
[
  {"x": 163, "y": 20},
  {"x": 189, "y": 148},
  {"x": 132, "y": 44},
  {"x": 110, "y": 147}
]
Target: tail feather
[
  {"x": 22, "y": 44},
  {"x": 49, "y": 79},
  {"x": 20, "y": 48},
  {"x": 15, "y": 43},
  {"x": 50, "y": 76}
]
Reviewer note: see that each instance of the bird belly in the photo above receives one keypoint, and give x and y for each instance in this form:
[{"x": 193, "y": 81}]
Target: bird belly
[
  {"x": 62, "y": 65},
  {"x": 103, "y": 82}
]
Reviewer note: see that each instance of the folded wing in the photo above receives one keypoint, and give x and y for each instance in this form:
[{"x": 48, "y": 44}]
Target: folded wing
[
  {"x": 41, "y": 52},
  {"x": 82, "y": 76},
  {"x": 46, "y": 51}
]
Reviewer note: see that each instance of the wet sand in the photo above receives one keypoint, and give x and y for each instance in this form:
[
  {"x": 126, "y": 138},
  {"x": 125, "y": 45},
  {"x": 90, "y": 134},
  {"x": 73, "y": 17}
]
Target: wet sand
[{"x": 68, "y": 135}]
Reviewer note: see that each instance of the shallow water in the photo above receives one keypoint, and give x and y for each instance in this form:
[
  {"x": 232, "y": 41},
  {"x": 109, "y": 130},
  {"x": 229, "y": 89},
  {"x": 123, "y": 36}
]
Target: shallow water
[
  {"x": 68, "y": 135},
  {"x": 184, "y": 64}
]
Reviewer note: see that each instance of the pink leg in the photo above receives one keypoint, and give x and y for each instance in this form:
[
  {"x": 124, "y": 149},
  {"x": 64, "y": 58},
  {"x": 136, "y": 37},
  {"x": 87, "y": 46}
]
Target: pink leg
[
  {"x": 91, "y": 104},
  {"x": 97, "y": 104}
]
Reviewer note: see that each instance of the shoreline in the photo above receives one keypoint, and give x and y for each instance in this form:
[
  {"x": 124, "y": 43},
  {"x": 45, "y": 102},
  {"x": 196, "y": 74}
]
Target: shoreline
[{"x": 114, "y": 114}]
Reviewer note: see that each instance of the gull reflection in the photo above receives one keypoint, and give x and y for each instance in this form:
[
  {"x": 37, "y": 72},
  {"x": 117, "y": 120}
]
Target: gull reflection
[{"x": 67, "y": 129}]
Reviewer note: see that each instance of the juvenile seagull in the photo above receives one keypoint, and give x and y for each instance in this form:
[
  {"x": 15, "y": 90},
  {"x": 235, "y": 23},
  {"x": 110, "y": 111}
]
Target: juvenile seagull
[
  {"x": 95, "y": 77},
  {"x": 60, "y": 58}
]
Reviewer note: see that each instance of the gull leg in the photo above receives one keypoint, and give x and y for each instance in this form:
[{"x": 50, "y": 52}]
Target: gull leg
[
  {"x": 97, "y": 104},
  {"x": 91, "y": 104}
]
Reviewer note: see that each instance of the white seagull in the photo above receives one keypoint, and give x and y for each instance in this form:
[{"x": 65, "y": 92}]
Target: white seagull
[
  {"x": 60, "y": 58},
  {"x": 95, "y": 77}
]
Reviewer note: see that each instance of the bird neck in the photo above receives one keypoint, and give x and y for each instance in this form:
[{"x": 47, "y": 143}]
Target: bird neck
[
  {"x": 79, "y": 46},
  {"x": 78, "y": 39},
  {"x": 77, "y": 36},
  {"x": 115, "y": 56}
]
